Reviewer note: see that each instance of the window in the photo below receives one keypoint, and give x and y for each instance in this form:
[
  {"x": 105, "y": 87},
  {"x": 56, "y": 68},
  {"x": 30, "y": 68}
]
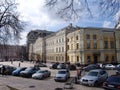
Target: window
[
  {"x": 94, "y": 36},
  {"x": 95, "y": 45},
  {"x": 72, "y": 46},
  {"x": 113, "y": 58},
  {"x": 77, "y": 58},
  {"x": 76, "y": 37},
  {"x": 111, "y": 44},
  {"x": 87, "y": 36},
  {"x": 67, "y": 58},
  {"x": 62, "y": 39},
  {"x": 59, "y": 40},
  {"x": 71, "y": 58},
  {"x": 106, "y": 59},
  {"x": 56, "y": 49},
  {"x": 56, "y": 41},
  {"x": 56, "y": 58},
  {"x": 88, "y": 59},
  {"x": 62, "y": 49},
  {"x": 59, "y": 49},
  {"x": 88, "y": 45},
  {"x": 68, "y": 47},
  {"x": 105, "y": 44},
  {"x": 77, "y": 46},
  {"x": 68, "y": 40},
  {"x": 62, "y": 58},
  {"x": 71, "y": 38},
  {"x": 59, "y": 58}
]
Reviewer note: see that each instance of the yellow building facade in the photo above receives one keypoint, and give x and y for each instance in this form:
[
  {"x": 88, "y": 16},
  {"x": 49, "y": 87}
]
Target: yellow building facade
[
  {"x": 93, "y": 45},
  {"x": 79, "y": 45}
]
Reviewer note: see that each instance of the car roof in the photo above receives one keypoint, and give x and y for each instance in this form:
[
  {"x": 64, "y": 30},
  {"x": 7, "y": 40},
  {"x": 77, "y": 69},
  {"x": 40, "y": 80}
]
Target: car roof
[
  {"x": 97, "y": 70},
  {"x": 62, "y": 70},
  {"x": 114, "y": 75},
  {"x": 42, "y": 70}
]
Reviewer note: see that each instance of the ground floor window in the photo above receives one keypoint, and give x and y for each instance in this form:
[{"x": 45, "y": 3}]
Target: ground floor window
[
  {"x": 106, "y": 59},
  {"x": 88, "y": 59},
  {"x": 77, "y": 58}
]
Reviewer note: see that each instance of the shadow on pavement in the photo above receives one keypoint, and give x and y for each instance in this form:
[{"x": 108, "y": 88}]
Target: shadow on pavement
[{"x": 11, "y": 88}]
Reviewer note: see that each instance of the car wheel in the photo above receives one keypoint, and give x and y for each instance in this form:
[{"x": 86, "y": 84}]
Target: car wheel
[
  {"x": 66, "y": 79},
  {"x": 96, "y": 83},
  {"x": 49, "y": 75}
]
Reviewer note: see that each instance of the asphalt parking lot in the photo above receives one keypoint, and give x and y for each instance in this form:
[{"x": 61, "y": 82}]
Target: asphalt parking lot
[{"x": 46, "y": 84}]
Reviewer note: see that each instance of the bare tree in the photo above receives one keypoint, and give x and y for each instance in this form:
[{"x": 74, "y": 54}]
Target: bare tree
[
  {"x": 73, "y": 9},
  {"x": 10, "y": 25}
]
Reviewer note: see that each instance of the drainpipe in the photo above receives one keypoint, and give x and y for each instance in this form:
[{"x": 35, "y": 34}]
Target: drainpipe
[{"x": 115, "y": 47}]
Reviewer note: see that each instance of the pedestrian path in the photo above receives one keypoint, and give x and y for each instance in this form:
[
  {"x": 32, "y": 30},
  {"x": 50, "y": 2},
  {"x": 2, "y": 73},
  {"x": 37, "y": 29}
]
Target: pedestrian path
[
  {"x": 6, "y": 87},
  {"x": 18, "y": 63}
]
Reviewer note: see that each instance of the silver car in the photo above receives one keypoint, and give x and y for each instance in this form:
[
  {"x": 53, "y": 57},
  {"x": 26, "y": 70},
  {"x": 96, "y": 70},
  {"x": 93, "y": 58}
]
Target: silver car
[
  {"x": 109, "y": 66},
  {"x": 62, "y": 75},
  {"x": 94, "y": 77},
  {"x": 41, "y": 74}
]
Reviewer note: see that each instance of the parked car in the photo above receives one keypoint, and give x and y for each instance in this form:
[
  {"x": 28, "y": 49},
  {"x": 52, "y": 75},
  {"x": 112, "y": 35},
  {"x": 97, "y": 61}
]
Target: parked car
[
  {"x": 62, "y": 75},
  {"x": 28, "y": 72},
  {"x": 100, "y": 65},
  {"x": 41, "y": 74},
  {"x": 61, "y": 66},
  {"x": 53, "y": 65},
  {"x": 94, "y": 77},
  {"x": 40, "y": 65},
  {"x": 112, "y": 83},
  {"x": 109, "y": 66},
  {"x": 72, "y": 67},
  {"x": 118, "y": 71},
  {"x": 18, "y": 70},
  {"x": 9, "y": 69},
  {"x": 78, "y": 64},
  {"x": 91, "y": 67},
  {"x": 118, "y": 67},
  {"x": 1, "y": 65}
]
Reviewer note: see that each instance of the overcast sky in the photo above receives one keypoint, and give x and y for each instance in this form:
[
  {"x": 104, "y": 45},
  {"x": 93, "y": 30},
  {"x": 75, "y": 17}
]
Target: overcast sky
[{"x": 37, "y": 16}]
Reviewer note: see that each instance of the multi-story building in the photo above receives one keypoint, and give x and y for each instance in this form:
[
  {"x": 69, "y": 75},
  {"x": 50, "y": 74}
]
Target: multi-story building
[
  {"x": 31, "y": 40},
  {"x": 117, "y": 26},
  {"x": 93, "y": 45},
  {"x": 83, "y": 45},
  {"x": 52, "y": 47},
  {"x": 12, "y": 52}
]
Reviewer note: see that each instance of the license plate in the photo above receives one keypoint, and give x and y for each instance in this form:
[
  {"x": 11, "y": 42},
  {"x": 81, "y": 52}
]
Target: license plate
[{"x": 110, "y": 86}]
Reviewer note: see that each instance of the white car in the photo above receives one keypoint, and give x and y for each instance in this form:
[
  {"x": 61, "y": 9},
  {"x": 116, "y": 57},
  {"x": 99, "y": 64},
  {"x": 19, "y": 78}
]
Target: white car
[
  {"x": 41, "y": 74},
  {"x": 109, "y": 66},
  {"x": 94, "y": 77},
  {"x": 62, "y": 75}
]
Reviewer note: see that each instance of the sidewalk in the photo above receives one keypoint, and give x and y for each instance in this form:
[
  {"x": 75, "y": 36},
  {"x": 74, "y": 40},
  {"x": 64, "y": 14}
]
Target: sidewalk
[
  {"x": 16, "y": 64},
  {"x": 5, "y": 87}
]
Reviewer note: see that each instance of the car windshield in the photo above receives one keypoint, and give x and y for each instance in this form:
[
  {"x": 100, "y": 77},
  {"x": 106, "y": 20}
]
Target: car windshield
[
  {"x": 40, "y": 71},
  {"x": 28, "y": 69},
  {"x": 18, "y": 68},
  {"x": 92, "y": 73},
  {"x": 61, "y": 72},
  {"x": 114, "y": 79}
]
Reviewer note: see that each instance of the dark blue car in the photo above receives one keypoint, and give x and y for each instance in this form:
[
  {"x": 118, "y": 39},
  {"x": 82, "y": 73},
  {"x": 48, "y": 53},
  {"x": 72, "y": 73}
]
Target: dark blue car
[
  {"x": 29, "y": 71},
  {"x": 112, "y": 83},
  {"x": 17, "y": 71}
]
